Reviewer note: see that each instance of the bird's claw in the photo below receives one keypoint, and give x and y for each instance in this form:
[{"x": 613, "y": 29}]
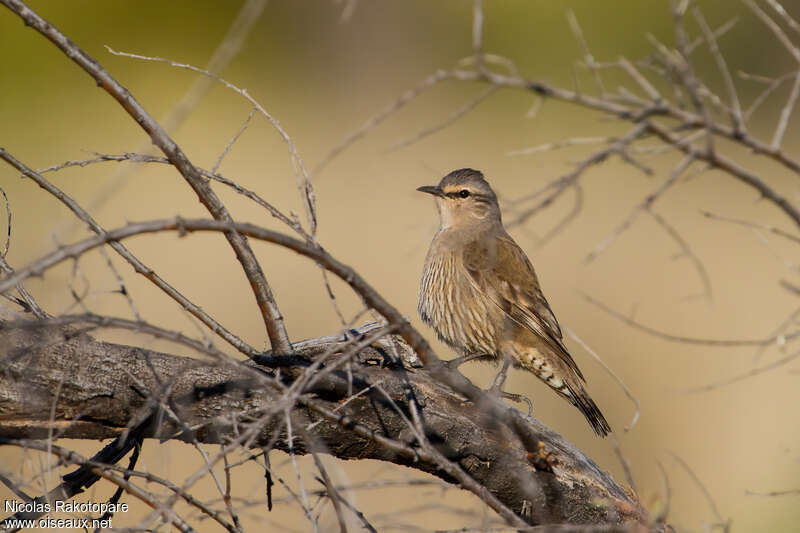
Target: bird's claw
[{"x": 497, "y": 391}]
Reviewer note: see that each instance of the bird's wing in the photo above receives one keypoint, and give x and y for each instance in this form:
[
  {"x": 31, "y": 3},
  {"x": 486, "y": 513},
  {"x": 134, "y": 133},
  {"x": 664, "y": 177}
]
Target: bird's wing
[{"x": 505, "y": 275}]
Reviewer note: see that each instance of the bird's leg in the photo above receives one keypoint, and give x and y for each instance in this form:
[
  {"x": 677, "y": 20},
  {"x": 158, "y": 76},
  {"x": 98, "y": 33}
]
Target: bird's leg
[
  {"x": 458, "y": 361},
  {"x": 497, "y": 388},
  {"x": 500, "y": 378}
]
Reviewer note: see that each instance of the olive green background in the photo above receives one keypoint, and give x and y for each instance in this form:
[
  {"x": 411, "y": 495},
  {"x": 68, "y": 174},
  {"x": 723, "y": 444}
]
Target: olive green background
[{"x": 322, "y": 78}]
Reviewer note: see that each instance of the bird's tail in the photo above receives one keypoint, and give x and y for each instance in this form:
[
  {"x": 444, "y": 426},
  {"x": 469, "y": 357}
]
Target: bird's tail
[
  {"x": 581, "y": 399},
  {"x": 568, "y": 383}
]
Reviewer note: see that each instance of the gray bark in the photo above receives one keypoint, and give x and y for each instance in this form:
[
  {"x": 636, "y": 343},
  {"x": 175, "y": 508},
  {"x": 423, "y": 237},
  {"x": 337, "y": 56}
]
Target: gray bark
[{"x": 103, "y": 386}]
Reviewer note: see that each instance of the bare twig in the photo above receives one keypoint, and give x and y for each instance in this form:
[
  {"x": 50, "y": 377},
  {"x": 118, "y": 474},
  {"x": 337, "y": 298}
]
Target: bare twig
[
  {"x": 123, "y": 290},
  {"x": 732, "y": 168},
  {"x": 379, "y": 117},
  {"x": 27, "y": 299},
  {"x": 786, "y": 113},
  {"x": 273, "y": 320},
  {"x": 138, "y": 266},
  {"x": 772, "y": 86},
  {"x": 661, "y": 516},
  {"x": 615, "y": 377},
  {"x": 690, "y": 340},
  {"x": 303, "y": 495},
  {"x": 784, "y": 39},
  {"x": 573, "y": 213},
  {"x": 144, "y": 158},
  {"x": 333, "y": 494},
  {"x": 588, "y": 58},
  {"x": 233, "y": 140},
  {"x": 71, "y": 457},
  {"x": 755, "y": 226},
  {"x": 645, "y": 205},
  {"x": 559, "y": 185},
  {"x": 792, "y": 23},
  {"x": 745, "y": 375},
  {"x": 790, "y": 492},
  {"x": 454, "y": 116},
  {"x": 684, "y": 67},
  {"x": 626, "y": 465},
  {"x": 725, "y": 524},
  {"x": 736, "y": 107},
  {"x": 574, "y": 141},
  {"x": 643, "y": 82},
  {"x": 228, "y": 48},
  {"x": 686, "y": 250}
]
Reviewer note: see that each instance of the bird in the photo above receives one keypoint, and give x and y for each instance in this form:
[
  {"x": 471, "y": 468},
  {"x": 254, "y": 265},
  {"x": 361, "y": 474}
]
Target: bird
[{"x": 481, "y": 295}]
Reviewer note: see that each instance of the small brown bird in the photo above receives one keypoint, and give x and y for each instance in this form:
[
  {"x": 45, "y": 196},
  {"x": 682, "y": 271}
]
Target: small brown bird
[{"x": 480, "y": 293}]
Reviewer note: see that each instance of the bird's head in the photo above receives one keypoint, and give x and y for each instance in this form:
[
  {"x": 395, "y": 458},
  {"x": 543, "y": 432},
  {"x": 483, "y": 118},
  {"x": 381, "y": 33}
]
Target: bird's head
[{"x": 465, "y": 200}]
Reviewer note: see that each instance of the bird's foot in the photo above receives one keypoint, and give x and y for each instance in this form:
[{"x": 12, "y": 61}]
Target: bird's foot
[{"x": 517, "y": 398}]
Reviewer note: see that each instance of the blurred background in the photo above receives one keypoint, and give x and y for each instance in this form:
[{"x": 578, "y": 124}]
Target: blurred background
[{"x": 322, "y": 68}]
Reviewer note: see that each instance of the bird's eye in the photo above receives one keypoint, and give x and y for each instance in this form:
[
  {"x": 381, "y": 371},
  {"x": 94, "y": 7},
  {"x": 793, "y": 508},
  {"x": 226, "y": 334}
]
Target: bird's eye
[{"x": 463, "y": 193}]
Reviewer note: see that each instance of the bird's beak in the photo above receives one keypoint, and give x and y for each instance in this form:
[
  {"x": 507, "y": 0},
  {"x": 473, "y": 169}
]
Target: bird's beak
[{"x": 431, "y": 189}]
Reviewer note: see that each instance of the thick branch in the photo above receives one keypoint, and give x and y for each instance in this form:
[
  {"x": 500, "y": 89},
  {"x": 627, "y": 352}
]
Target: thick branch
[{"x": 102, "y": 390}]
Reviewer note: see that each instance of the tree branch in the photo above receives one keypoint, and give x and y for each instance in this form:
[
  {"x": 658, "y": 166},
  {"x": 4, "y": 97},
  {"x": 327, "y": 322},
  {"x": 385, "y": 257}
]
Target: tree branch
[
  {"x": 272, "y": 317},
  {"x": 218, "y": 400}
]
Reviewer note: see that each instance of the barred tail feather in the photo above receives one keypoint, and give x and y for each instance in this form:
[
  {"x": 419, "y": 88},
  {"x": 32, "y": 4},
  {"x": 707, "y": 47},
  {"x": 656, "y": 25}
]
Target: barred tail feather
[{"x": 581, "y": 399}]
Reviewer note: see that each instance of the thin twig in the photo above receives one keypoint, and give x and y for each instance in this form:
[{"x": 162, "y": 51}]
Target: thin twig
[
  {"x": 755, "y": 226},
  {"x": 574, "y": 141},
  {"x": 790, "y": 492},
  {"x": 622, "y": 385},
  {"x": 373, "y": 121},
  {"x": 792, "y": 23},
  {"x": 137, "y": 265},
  {"x": 303, "y": 178},
  {"x": 786, "y": 113},
  {"x": 710, "y": 499},
  {"x": 626, "y": 465},
  {"x": 690, "y": 340},
  {"x": 233, "y": 140},
  {"x": 643, "y": 82},
  {"x": 763, "y": 95},
  {"x": 272, "y": 318},
  {"x": 736, "y": 107},
  {"x": 303, "y": 494},
  {"x": 333, "y": 494},
  {"x": 684, "y": 68},
  {"x": 702, "y": 273},
  {"x": 144, "y": 158},
  {"x": 784, "y": 39},
  {"x": 588, "y": 58},
  {"x": 559, "y": 185},
  {"x": 454, "y": 116},
  {"x": 732, "y": 168},
  {"x": 645, "y": 205},
  {"x": 226, "y": 51},
  {"x": 573, "y": 213},
  {"x": 745, "y": 375}
]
